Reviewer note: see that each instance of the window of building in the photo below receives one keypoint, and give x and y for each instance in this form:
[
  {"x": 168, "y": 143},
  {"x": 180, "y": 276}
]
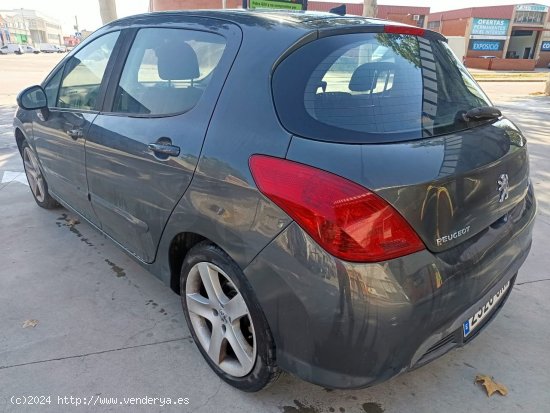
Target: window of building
[
  {"x": 434, "y": 25},
  {"x": 530, "y": 17}
]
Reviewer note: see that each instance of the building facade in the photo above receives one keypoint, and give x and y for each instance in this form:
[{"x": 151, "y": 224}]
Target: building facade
[
  {"x": 513, "y": 37},
  {"x": 351, "y": 8},
  {"x": 544, "y": 56},
  {"x": 416, "y": 16},
  {"x": 31, "y": 27},
  {"x": 4, "y": 32},
  {"x": 16, "y": 29},
  {"x": 71, "y": 41}
]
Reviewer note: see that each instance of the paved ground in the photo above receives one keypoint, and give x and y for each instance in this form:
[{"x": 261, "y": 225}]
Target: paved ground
[
  {"x": 18, "y": 72},
  {"x": 108, "y": 328}
]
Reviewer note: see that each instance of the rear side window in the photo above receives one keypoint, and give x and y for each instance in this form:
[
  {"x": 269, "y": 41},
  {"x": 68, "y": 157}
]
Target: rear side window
[
  {"x": 167, "y": 71},
  {"x": 374, "y": 87}
]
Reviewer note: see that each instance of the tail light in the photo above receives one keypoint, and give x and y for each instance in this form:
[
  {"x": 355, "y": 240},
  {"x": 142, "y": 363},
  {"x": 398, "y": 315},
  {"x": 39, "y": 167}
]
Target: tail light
[{"x": 347, "y": 220}]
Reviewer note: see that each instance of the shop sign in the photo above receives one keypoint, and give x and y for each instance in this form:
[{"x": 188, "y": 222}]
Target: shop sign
[
  {"x": 532, "y": 7},
  {"x": 486, "y": 45},
  {"x": 490, "y": 27},
  {"x": 545, "y": 47}
]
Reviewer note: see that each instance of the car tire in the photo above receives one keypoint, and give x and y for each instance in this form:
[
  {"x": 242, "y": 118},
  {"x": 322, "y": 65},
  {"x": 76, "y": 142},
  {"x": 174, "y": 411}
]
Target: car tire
[
  {"x": 36, "y": 180},
  {"x": 225, "y": 321}
]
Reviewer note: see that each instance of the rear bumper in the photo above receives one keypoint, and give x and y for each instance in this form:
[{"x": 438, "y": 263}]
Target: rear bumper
[{"x": 348, "y": 325}]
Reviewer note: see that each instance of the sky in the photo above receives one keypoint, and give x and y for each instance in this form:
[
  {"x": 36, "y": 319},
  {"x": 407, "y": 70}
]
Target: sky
[
  {"x": 86, "y": 10},
  {"x": 89, "y": 18}
]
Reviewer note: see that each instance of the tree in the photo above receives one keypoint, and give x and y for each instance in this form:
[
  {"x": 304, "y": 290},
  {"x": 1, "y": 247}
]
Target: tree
[
  {"x": 107, "y": 9},
  {"x": 369, "y": 8}
]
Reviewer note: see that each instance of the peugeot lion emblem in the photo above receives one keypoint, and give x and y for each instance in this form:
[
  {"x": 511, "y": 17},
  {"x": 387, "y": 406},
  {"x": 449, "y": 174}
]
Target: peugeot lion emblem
[{"x": 503, "y": 187}]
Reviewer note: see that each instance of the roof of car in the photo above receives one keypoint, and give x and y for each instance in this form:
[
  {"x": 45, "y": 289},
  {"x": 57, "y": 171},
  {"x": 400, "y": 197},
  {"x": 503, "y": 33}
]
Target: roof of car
[
  {"x": 297, "y": 23},
  {"x": 306, "y": 19}
]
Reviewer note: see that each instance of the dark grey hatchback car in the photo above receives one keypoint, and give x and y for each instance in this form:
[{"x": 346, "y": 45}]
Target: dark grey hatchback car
[{"x": 331, "y": 196}]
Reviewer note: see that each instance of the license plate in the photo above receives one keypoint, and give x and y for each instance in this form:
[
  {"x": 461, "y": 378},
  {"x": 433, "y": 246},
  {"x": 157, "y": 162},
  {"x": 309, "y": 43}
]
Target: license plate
[{"x": 475, "y": 321}]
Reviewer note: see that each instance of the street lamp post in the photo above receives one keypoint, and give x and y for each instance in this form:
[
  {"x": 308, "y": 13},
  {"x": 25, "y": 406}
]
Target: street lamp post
[
  {"x": 369, "y": 8},
  {"x": 107, "y": 9}
]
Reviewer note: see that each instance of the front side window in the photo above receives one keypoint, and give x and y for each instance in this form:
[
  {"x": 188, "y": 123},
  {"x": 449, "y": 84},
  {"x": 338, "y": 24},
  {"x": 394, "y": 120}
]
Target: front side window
[
  {"x": 84, "y": 72},
  {"x": 52, "y": 87},
  {"x": 167, "y": 71},
  {"x": 374, "y": 87}
]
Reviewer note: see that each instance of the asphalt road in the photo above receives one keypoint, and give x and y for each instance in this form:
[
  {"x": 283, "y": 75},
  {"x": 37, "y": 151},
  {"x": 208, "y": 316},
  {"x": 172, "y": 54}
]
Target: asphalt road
[
  {"x": 20, "y": 71},
  {"x": 108, "y": 329}
]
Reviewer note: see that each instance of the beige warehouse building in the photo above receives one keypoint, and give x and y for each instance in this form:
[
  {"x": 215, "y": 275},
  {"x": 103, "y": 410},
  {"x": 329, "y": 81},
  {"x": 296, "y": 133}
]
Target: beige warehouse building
[{"x": 32, "y": 27}]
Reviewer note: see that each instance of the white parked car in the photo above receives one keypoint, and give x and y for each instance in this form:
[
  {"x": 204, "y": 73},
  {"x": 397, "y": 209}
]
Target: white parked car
[
  {"x": 48, "y": 48},
  {"x": 30, "y": 49},
  {"x": 12, "y": 48}
]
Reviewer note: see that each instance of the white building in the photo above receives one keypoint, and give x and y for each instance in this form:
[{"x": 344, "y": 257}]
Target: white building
[{"x": 40, "y": 27}]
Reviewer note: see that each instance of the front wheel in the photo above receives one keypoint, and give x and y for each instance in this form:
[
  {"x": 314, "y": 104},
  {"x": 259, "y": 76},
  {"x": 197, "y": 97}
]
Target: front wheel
[
  {"x": 37, "y": 182},
  {"x": 225, "y": 320}
]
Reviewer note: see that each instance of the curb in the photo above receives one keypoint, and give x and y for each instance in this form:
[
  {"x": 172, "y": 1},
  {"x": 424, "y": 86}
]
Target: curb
[{"x": 511, "y": 80}]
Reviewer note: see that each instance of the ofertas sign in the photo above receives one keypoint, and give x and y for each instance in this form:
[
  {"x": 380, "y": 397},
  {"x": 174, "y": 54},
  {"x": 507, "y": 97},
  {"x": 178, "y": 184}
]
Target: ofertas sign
[
  {"x": 545, "y": 47},
  {"x": 491, "y": 27},
  {"x": 279, "y": 4}
]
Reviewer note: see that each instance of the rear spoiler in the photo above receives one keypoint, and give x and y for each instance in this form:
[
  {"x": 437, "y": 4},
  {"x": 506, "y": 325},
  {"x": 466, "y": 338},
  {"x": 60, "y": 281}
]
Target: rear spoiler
[{"x": 379, "y": 26}]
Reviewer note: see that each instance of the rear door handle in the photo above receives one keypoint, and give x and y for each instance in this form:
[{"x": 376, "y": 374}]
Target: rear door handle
[
  {"x": 75, "y": 133},
  {"x": 164, "y": 149}
]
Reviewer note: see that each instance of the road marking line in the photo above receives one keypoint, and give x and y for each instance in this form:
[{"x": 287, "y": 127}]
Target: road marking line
[{"x": 10, "y": 176}]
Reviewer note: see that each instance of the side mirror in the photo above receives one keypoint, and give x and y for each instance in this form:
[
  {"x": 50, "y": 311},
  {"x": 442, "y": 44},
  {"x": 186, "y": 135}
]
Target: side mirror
[{"x": 32, "y": 98}]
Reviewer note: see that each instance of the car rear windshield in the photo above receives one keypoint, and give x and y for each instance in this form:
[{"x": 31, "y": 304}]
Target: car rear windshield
[{"x": 374, "y": 88}]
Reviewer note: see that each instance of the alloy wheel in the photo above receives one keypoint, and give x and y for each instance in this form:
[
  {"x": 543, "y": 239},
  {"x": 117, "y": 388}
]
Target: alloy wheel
[
  {"x": 34, "y": 176},
  {"x": 221, "y": 319}
]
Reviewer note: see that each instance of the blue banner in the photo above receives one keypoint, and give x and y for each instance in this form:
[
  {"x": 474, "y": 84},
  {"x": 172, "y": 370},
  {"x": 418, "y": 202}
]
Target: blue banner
[
  {"x": 486, "y": 45},
  {"x": 545, "y": 47},
  {"x": 490, "y": 27}
]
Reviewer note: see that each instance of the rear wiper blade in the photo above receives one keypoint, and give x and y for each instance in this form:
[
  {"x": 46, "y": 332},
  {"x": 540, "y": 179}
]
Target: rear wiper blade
[{"x": 483, "y": 112}]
